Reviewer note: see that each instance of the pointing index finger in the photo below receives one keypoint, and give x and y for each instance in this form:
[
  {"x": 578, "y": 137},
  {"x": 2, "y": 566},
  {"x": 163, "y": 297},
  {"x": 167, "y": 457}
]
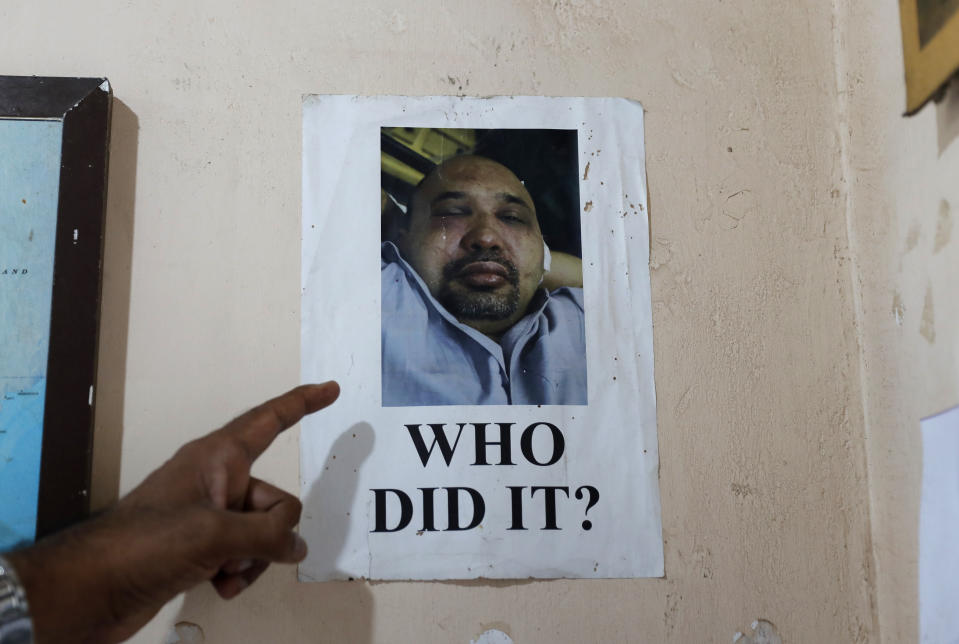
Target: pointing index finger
[{"x": 257, "y": 428}]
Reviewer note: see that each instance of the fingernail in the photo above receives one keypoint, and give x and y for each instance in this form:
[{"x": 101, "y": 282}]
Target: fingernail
[{"x": 299, "y": 547}]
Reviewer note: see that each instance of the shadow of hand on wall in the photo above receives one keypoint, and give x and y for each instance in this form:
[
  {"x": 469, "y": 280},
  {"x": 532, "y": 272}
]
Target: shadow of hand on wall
[
  {"x": 331, "y": 499},
  {"x": 288, "y": 611}
]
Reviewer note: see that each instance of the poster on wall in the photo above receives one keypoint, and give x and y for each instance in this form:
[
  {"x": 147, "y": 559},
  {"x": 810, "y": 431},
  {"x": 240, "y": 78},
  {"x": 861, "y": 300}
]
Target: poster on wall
[
  {"x": 475, "y": 275},
  {"x": 938, "y": 524},
  {"x": 930, "y": 43}
]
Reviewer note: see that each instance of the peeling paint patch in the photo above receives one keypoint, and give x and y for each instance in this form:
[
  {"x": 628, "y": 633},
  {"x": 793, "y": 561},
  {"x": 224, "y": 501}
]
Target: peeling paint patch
[
  {"x": 912, "y": 239},
  {"x": 681, "y": 80},
  {"x": 763, "y": 632},
  {"x": 185, "y": 633},
  {"x": 397, "y": 22},
  {"x": 898, "y": 308},
  {"x": 927, "y": 325},
  {"x": 493, "y": 636},
  {"x": 660, "y": 253},
  {"x": 737, "y": 206},
  {"x": 683, "y": 405},
  {"x": 943, "y": 227}
]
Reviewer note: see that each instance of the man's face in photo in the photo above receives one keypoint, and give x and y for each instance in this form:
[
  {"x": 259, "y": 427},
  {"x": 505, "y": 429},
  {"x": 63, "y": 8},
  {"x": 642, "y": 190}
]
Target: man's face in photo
[{"x": 474, "y": 239}]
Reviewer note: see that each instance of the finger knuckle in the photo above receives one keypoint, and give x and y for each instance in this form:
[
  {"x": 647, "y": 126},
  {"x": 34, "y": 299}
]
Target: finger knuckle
[
  {"x": 296, "y": 508},
  {"x": 234, "y": 452},
  {"x": 287, "y": 514},
  {"x": 190, "y": 449},
  {"x": 211, "y": 525}
]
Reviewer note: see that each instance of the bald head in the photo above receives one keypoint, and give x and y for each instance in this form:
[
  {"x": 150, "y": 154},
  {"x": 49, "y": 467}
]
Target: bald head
[
  {"x": 471, "y": 165},
  {"x": 473, "y": 236}
]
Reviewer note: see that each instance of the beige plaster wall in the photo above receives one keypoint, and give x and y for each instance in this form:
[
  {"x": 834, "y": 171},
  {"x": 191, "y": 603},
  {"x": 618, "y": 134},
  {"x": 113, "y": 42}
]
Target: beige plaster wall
[
  {"x": 760, "y": 163},
  {"x": 902, "y": 193}
]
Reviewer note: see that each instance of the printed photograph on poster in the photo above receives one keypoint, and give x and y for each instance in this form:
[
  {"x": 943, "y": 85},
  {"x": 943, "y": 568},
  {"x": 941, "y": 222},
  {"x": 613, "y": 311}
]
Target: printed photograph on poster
[
  {"x": 469, "y": 251},
  {"x": 497, "y": 416}
]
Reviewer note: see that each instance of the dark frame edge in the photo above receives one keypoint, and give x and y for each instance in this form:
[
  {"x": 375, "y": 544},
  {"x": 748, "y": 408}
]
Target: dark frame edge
[{"x": 64, "y": 494}]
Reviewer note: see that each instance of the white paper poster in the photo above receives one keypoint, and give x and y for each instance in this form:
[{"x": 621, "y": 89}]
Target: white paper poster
[
  {"x": 938, "y": 527},
  {"x": 475, "y": 275}
]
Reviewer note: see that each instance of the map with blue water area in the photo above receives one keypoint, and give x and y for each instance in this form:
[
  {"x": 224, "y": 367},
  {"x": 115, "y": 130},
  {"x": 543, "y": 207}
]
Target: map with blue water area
[{"x": 29, "y": 186}]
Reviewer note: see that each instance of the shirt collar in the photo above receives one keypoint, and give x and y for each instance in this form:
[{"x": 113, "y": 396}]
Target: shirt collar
[{"x": 391, "y": 254}]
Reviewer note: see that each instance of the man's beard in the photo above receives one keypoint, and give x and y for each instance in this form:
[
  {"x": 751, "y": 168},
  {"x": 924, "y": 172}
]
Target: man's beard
[{"x": 475, "y": 303}]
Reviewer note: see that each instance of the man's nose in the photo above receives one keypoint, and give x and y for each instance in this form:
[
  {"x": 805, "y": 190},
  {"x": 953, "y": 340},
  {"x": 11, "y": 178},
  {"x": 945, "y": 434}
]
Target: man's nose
[{"x": 483, "y": 234}]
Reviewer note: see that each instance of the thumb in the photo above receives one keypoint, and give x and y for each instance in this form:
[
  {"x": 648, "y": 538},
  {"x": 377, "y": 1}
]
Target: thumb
[{"x": 267, "y": 535}]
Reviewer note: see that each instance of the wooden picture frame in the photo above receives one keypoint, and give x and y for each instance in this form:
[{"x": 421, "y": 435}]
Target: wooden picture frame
[
  {"x": 73, "y": 221},
  {"x": 930, "y": 42}
]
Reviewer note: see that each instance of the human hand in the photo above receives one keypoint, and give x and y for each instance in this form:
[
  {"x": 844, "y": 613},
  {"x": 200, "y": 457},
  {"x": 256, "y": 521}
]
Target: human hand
[{"x": 200, "y": 516}]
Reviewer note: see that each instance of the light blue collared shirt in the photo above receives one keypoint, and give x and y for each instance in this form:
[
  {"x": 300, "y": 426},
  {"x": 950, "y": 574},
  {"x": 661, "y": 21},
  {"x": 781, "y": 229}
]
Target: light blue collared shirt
[{"x": 430, "y": 358}]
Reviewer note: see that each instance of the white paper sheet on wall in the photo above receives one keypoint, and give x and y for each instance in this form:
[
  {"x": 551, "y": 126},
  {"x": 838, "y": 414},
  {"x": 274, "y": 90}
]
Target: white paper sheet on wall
[
  {"x": 938, "y": 529},
  {"x": 485, "y": 428}
]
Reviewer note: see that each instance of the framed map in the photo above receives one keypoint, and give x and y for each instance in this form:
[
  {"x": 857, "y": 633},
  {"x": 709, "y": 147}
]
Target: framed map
[
  {"x": 54, "y": 135},
  {"x": 930, "y": 42}
]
